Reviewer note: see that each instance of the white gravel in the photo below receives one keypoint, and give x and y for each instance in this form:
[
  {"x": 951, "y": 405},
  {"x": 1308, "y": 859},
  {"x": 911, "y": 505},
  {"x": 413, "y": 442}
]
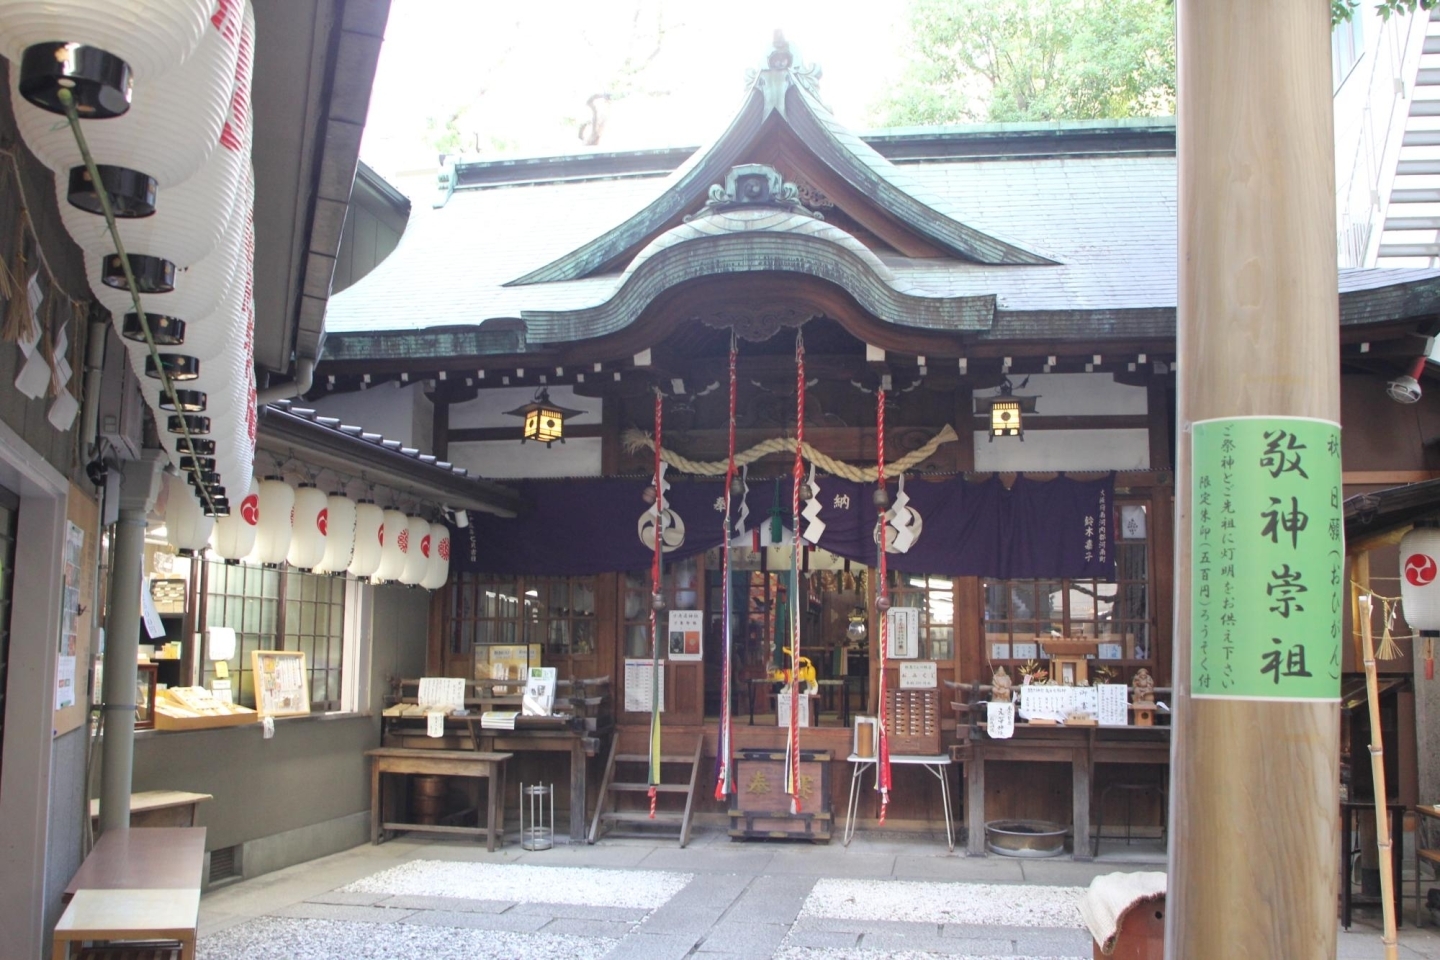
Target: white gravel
[
  {"x": 277, "y": 938},
  {"x": 816, "y": 953},
  {"x": 975, "y": 904},
  {"x": 640, "y": 889}
]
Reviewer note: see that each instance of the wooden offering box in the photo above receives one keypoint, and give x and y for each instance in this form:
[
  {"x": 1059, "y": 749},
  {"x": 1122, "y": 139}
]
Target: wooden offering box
[{"x": 760, "y": 807}]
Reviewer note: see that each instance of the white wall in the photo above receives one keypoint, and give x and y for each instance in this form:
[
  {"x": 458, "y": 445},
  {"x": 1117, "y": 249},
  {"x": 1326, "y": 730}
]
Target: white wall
[
  {"x": 512, "y": 460},
  {"x": 1051, "y": 450},
  {"x": 1081, "y": 395},
  {"x": 488, "y": 409},
  {"x": 401, "y": 413}
]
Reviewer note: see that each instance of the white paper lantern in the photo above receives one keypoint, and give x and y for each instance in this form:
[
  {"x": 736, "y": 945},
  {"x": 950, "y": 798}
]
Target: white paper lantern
[
  {"x": 187, "y": 528},
  {"x": 307, "y": 527},
  {"x": 272, "y": 538},
  {"x": 1420, "y": 578},
  {"x": 437, "y": 569},
  {"x": 173, "y": 124},
  {"x": 394, "y": 546},
  {"x": 417, "y": 555},
  {"x": 365, "y": 559},
  {"x": 234, "y": 536},
  {"x": 339, "y": 535},
  {"x": 152, "y": 36}
]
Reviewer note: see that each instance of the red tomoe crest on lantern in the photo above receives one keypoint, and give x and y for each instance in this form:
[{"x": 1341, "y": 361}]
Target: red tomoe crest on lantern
[
  {"x": 250, "y": 509},
  {"x": 321, "y": 520},
  {"x": 425, "y": 545},
  {"x": 444, "y": 548},
  {"x": 1420, "y": 569},
  {"x": 381, "y": 534},
  {"x": 403, "y": 539}
]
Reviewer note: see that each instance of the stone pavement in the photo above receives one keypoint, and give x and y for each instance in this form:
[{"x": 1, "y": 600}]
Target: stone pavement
[{"x": 887, "y": 895}]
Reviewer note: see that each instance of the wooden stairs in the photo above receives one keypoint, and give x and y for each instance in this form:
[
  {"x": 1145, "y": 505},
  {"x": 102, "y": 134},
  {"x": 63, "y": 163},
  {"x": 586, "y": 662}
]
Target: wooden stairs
[{"x": 609, "y": 816}]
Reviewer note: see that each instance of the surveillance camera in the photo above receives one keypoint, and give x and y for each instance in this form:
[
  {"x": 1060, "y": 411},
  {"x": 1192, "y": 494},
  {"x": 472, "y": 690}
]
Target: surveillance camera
[{"x": 1403, "y": 389}]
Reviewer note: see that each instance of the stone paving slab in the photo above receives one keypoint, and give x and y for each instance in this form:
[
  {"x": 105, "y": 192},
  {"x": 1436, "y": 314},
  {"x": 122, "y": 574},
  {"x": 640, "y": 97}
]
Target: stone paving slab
[
  {"x": 576, "y": 927},
  {"x": 652, "y": 946},
  {"x": 341, "y": 898},
  {"x": 513, "y": 922},
  {"x": 823, "y": 939},
  {"x": 578, "y": 911},
  {"x": 772, "y": 900},
  {"x": 414, "y": 901},
  {"x": 349, "y": 912},
  {"x": 743, "y": 937},
  {"x": 943, "y": 946}
]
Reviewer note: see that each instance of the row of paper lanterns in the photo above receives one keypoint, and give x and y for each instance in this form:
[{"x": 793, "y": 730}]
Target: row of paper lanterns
[
  {"x": 312, "y": 530},
  {"x": 163, "y": 88}
]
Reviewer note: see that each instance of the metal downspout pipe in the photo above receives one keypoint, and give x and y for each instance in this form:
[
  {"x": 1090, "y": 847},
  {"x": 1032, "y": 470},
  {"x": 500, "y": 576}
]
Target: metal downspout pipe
[
  {"x": 138, "y": 487},
  {"x": 304, "y": 378}
]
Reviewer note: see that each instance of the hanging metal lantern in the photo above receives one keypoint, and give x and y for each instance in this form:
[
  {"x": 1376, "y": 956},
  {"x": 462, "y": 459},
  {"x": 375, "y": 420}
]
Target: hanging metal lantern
[
  {"x": 101, "y": 47},
  {"x": 1420, "y": 577},
  {"x": 544, "y": 419},
  {"x": 272, "y": 538},
  {"x": 365, "y": 559},
  {"x": 437, "y": 569},
  {"x": 234, "y": 535},
  {"x": 394, "y": 545},
  {"x": 339, "y": 534},
  {"x": 417, "y": 554},
  {"x": 1006, "y": 409},
  {"x": 308, "y": 527},
  {"x": 187, "y": 528}
]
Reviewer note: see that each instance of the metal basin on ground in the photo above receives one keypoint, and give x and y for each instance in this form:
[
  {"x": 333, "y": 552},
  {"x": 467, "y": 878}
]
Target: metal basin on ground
[{"x": 1025, "y": 838}]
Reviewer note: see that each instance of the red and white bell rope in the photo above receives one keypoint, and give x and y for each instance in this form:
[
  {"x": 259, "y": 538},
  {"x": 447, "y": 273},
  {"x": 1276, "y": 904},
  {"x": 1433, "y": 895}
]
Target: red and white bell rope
[
  {"x": 797, "y": 544},
  {"x": 882, "y": 599},
  {"x": 657, "y": 595},
  {"x": 723, "y": 768}
]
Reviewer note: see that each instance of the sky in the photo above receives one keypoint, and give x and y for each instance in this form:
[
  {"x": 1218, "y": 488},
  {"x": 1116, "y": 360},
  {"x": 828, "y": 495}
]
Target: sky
[{"x": 516, "y": 75}]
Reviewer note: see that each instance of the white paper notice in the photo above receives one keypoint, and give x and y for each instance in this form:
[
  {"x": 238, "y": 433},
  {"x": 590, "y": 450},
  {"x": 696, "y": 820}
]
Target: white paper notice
[
  {"x": 30, "y": 336},
  {"x": 920, "y": 675},
  {"x": 903, "y": 629},
  {"x": 445, "y": 694},
  {"x": 637, "y": 686},
  {"x": 1113, "y": 710},
  {"x": 64, "y": 683},
  {"x": 154, "y": 628},
  {"x": 1000, "y": 720},
  {"x": 434, "y": 724}
]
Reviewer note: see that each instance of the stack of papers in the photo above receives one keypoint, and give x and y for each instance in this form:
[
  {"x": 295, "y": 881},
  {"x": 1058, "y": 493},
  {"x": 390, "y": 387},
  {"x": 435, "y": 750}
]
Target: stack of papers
[{"x": 498, "y": 719}]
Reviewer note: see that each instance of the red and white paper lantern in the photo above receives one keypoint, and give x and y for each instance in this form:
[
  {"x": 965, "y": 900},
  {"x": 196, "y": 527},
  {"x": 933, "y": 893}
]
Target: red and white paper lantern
[
  {"x": 308, "y": 527},
  {"x": 394, "y": 546},
  {"x": 365, "y": 559},
  {"x": 1420, "y": 578},
  {"x": 339, "y": 534},
  {"x": 437, "y": 568},
  {"x": 187, "y": 528},
  {"x": 234, "y": 535},
  {"x": 417, "y": 554},
  {"x": 272, "y": 538}
]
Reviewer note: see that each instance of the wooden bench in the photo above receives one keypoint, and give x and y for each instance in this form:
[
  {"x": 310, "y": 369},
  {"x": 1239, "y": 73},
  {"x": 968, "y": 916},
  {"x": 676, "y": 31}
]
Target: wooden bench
[
  {"x": 136, "y": 885},
  {"x": 446, "y": 763},
  {"x": 160, "y": 808}
]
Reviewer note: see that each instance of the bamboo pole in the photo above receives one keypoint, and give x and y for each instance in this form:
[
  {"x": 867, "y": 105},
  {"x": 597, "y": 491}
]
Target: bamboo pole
[
  {"x": 1377, "y": 773},
  {"x": 1254, "y": 855}
]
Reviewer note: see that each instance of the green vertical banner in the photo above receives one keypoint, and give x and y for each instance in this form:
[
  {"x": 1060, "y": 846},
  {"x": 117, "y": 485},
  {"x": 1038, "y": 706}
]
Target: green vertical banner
[{"x": 1267, "y": 559}]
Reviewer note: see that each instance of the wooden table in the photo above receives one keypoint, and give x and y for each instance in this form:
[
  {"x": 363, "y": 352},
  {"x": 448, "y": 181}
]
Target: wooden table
[
  {"x": 533, "y": 733},
  {"x": 447, "y": 763},
  {"x": 1081, "y": 747},
  {"x": 160, "y": 808},
  {"x": 137, "y": 884},
  {"x": 156, "y": 914}
]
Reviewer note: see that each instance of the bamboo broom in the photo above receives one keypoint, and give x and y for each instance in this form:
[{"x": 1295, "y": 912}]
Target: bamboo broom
[{"x": 1377, "y": 771}]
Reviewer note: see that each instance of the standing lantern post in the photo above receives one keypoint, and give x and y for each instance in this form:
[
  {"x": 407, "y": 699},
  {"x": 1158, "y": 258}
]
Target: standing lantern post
[{"x": 1259, "y": 572}]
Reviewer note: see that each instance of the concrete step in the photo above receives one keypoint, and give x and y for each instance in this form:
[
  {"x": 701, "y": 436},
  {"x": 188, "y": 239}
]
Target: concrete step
[
  {"x": 1412, "y": 223},
  {"x": 1409, "y": 250}
]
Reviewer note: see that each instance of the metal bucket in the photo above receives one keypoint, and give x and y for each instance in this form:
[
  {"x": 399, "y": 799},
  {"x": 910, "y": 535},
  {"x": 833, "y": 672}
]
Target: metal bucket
[{"x": 1025, "y": 838}]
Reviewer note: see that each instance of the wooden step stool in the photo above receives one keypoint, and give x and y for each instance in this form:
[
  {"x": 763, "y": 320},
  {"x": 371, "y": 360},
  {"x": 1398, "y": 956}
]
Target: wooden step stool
[{"x": 606, "y": 808}]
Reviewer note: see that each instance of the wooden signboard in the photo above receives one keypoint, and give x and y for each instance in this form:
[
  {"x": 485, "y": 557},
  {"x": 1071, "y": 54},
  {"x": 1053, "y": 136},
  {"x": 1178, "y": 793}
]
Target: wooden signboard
[{"x": 282, "y": 684}]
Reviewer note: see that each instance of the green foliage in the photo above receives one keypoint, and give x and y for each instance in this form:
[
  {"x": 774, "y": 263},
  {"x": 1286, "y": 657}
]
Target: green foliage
[
  {"x": 1345, "y": 9},
  {"x": 1002, "y": 60}
]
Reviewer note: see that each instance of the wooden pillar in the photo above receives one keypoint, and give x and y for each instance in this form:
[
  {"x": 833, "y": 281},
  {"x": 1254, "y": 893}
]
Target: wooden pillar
[{"x": 1254, "y": 806}]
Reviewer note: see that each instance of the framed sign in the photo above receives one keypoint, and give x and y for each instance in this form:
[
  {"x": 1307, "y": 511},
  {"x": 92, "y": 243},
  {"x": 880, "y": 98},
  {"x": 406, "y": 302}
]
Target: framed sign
[
  {"x": 684, "y": 632},
  {"x": 920, "y": 675},
  {"x": 903, "y": 630},
  {"x": 282, "y": 684}
]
